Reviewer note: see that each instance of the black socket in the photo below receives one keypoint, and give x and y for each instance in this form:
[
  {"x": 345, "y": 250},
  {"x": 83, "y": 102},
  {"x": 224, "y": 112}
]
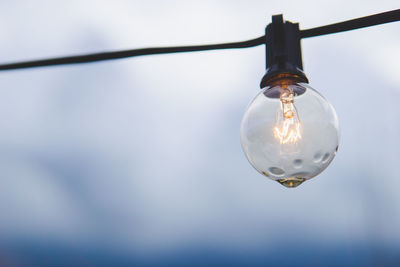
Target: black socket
[{"x": 283, "y": 52}]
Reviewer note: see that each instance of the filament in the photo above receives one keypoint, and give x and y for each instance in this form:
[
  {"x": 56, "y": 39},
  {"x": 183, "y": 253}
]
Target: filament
[{"x": 288, "y": 128}]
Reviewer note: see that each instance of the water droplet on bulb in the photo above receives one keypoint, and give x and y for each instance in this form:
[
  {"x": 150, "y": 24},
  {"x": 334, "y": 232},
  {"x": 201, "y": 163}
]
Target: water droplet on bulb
[
  {"x": 277, "y": 171},
  {"x": 297, "y": 163},
  {"x": 317, "y": 157},
  {"x": 326, "y": 157}
]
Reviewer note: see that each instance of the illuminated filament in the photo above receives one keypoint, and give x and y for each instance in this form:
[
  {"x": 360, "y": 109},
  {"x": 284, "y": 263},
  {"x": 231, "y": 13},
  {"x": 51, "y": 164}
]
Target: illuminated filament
[{"x": 288, "y": 128}]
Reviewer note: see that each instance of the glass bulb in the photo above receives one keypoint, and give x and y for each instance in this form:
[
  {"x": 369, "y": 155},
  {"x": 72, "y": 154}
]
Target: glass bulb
[{"x": 290, "y": 132}]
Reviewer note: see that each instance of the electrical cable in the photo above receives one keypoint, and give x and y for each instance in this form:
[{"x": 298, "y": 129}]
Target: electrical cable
[
  {"x": 381, "y": 18},
  {"x": 386, "y": 17},
  {"x": 129, "y": 53}
]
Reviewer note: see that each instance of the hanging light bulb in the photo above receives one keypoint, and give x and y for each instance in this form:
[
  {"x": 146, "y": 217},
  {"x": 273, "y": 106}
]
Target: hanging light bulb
[{"x": 290, "y": 132}]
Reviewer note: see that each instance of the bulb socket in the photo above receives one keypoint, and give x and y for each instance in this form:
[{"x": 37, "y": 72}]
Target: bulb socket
[{"x": 283, "y": 53}]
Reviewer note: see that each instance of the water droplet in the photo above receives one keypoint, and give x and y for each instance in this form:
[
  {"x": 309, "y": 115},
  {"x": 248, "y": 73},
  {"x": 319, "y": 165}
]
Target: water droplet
[
  {"x": 297, "y": 163},
  {"x": 277, "y": 171},
  {"x": 317, "y": 157},
  {"x": 291, "y": 182},
  {"x": 326, "y": 157}
]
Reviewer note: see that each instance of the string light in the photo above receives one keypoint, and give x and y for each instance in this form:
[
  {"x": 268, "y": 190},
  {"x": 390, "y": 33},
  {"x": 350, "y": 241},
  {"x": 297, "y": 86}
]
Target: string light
[{"x": 290, "y": 132}]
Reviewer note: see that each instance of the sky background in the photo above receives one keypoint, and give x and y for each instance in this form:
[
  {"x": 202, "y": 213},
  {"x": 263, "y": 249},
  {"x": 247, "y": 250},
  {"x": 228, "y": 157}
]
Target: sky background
[{"x": 138, "y": 161}]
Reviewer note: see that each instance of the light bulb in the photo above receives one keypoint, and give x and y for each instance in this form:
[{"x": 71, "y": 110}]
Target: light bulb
[{"x": 290, "y": 132}]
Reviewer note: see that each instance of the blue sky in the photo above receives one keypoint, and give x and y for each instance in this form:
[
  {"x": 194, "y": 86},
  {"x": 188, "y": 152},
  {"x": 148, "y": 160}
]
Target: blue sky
[{"x": 143, "y": 155}]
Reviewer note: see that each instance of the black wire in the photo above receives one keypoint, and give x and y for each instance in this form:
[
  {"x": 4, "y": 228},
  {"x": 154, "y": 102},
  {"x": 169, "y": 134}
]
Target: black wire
[
  {"x": 129, "y": 53},
  {"x": 358, "y": 23},
  {"x": 353, "y": 24}
]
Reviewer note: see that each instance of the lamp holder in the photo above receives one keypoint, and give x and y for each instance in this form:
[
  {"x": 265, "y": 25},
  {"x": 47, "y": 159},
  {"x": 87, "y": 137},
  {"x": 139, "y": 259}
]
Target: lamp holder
[{"x": 283, "y": 52}]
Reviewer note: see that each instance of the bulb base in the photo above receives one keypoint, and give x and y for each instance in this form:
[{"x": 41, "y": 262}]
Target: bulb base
[
  {"x": 283, "y": 52},
  {"x": 277, "y": 75}
]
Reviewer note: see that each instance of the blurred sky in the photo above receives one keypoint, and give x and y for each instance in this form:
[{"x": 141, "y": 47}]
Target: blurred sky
[{"x": 139, "y": 160}]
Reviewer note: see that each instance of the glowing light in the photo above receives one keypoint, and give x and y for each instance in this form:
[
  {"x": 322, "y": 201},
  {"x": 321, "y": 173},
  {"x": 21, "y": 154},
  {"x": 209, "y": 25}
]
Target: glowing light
[
  {"x": 290, "y": 132},
  {"x": 288, "y": 129}
]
